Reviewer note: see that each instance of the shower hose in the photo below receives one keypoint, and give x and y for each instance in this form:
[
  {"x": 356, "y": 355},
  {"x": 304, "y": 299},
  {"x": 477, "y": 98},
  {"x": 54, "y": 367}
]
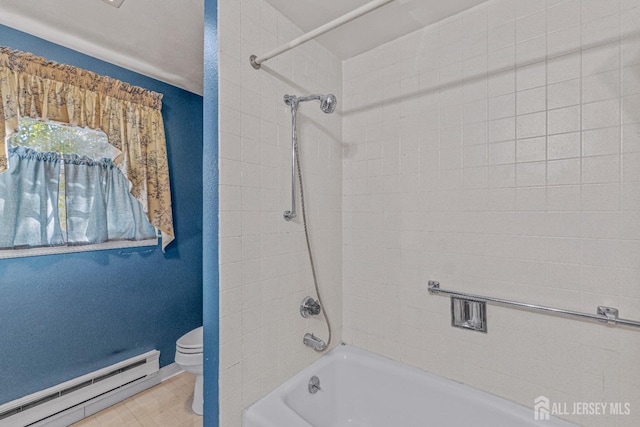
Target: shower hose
[{"x": 306, "y": 235}]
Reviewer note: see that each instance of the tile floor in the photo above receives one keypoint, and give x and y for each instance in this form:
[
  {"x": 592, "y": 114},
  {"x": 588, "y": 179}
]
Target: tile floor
[{"x": 167, "y": 404}]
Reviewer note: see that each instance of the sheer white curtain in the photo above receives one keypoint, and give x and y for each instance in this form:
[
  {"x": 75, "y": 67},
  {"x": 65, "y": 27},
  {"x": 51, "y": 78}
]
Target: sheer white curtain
[
  {"x": 29, "y": 200},
  {"x": 99, "y": 205}
]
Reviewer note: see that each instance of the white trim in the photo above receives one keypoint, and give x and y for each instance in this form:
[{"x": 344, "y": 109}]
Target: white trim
[
  {"x": 170, "y": 371},
  {"x": 52, "y": 250}
]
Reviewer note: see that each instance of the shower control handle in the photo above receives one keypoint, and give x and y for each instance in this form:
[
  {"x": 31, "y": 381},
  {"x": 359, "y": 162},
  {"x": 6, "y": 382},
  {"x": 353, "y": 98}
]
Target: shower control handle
[{"x": 309, "y": 307}]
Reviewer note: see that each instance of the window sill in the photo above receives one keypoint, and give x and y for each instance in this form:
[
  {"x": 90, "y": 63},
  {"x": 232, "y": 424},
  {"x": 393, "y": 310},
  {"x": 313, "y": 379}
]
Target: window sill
[{"x": 55, "y": 250}]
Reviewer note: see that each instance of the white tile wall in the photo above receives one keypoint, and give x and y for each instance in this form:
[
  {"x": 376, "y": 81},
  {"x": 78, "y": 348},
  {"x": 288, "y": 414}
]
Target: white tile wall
[
  {"x": 264, "y": 269},
  {"x": 499, "y": 153}
]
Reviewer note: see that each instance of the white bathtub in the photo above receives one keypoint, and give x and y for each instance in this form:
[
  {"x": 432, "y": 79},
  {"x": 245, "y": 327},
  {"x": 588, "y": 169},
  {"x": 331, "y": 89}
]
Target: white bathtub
[{"x": 361, "y": 389}]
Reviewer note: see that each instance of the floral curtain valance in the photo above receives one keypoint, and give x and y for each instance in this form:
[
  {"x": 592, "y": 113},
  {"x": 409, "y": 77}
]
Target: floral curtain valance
[{"x": 131, "y": 117}]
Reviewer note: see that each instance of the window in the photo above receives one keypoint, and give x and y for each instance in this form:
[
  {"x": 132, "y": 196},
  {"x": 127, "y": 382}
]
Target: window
[
  {"x": 130, "y": 116},
  {"x": 63, "y": 193}
]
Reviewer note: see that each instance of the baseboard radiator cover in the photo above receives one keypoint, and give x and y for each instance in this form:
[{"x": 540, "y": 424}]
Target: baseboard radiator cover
[{"x": 73, "y": 400}]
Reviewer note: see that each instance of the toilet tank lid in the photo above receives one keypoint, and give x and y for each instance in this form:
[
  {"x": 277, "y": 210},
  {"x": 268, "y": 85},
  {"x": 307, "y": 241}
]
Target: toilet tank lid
[{"x": 191, "y": 339}]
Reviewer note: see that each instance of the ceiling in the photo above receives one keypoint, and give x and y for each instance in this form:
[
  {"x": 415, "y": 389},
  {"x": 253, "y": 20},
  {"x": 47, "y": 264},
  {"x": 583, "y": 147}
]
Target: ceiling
[
  {"x": 164, "y": 39},
  {"x": 158, "y": 38},
  {"x": 393, "y": 20}
]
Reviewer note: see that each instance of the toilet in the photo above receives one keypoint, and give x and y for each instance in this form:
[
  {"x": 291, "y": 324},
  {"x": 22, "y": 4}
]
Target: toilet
[{"x": 189, "y": 358}]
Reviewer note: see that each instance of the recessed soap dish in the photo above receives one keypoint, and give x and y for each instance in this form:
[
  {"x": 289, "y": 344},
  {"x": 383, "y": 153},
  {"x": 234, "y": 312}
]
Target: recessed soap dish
[{"x": 469, "y": 314}]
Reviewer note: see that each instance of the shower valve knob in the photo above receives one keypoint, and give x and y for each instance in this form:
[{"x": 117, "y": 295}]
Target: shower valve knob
[{"x": 309, "y": 307}]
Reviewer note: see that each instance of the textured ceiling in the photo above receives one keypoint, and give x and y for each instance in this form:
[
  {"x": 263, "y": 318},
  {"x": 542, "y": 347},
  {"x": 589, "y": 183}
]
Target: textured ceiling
[
  {"x": 158, "y": 38},
  {"x": 164, "y": 39}
]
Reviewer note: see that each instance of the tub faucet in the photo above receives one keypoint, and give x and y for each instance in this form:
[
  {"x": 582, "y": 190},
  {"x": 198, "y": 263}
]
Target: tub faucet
[{"x": 314, "y": 342}]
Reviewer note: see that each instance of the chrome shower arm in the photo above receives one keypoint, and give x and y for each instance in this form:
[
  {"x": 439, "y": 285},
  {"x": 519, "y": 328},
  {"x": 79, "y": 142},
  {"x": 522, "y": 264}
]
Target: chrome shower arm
[{"x": 309, "y": 98}]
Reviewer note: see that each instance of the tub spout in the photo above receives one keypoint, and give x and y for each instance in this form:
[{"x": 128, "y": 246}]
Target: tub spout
[{"x": 314, "y": 342}]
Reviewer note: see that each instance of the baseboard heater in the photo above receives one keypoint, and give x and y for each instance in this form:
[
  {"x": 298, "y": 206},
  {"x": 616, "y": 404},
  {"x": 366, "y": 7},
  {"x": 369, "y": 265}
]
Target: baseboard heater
[{"x": 71, "y": 401}]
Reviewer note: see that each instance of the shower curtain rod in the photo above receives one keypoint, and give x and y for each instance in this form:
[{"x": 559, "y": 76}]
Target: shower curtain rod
[{"x": 257, "y": 60}]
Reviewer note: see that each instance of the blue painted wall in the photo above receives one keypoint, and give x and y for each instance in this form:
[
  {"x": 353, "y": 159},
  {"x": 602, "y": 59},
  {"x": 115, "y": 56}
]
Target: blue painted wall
[
  {"x": 62, "y": 316},
  {"x": 210, "y": 213}
]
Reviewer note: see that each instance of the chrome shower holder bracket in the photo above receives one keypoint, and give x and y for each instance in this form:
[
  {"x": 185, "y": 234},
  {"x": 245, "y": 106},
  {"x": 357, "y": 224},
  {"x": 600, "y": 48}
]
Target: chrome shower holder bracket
[{"x": 611, "y": 313}]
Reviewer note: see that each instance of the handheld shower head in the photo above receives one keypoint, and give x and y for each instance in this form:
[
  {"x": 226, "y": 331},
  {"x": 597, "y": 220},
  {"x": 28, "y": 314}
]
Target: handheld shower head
[{"x": 328, "y": 103}]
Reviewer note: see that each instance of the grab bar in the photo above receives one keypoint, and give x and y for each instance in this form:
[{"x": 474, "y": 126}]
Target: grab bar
[{"x": 605, "y": 314}]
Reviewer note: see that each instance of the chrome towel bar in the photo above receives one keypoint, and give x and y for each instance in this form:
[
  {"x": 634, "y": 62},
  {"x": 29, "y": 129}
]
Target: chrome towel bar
[{"x": 608, "y": 315}]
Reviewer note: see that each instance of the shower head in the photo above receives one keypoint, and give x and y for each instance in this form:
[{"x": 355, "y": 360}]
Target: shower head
[{"x": 327, "y": 102}]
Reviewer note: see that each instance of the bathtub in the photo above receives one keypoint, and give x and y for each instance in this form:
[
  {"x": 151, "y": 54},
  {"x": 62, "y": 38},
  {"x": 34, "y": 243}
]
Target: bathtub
[{"x": 361, "y": 389}]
